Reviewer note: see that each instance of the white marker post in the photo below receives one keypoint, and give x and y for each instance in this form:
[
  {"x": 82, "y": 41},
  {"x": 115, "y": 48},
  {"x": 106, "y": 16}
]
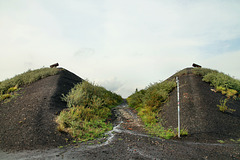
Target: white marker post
[{"x": 177, "y": 81}]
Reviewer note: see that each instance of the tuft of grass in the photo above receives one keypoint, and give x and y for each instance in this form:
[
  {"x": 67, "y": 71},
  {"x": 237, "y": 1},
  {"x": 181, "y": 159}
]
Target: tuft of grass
[
  {"x": 89, "y": 106},
  {"x": 223, "y": 107},
  {"x": 12, "y": 89},
  {"x": 5, "y": 96},
  {"x": 158, "y": 130},
  {"x": 221, "y": 141}
]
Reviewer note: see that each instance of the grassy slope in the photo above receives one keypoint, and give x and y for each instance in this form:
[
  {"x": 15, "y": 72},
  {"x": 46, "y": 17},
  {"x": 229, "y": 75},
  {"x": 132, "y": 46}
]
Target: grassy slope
[
  {"x": 8, "y": 86},
  {"x": 148, "y": 101}
]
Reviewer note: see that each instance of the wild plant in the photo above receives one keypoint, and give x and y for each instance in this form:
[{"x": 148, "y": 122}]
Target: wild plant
[
  {"x": 223, "y": 83},
  {"x": 89, "y": 107},
  {"x": 223, "y": 107},
  {"x": 148, "y": 104}
]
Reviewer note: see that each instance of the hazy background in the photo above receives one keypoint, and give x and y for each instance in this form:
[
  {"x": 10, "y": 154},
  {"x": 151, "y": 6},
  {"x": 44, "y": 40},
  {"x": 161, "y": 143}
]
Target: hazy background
[{"x": 119, "y": 44}]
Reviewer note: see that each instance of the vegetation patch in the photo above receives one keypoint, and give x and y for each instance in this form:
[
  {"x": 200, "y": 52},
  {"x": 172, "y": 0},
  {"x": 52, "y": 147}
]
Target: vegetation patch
[
  {"x": 222, "y": 82},
  {"x": 221, "y": 141},
  {"x": 148, "y": 101},
  {"x": 225, "y": 84},
  {"x": 89, "y": 106},
  {"x": 9, "y": 86},
  {"x": 223, "y": 107}
]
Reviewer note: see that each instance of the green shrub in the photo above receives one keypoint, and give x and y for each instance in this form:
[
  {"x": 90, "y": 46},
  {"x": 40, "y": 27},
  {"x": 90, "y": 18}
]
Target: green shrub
[
  {"x": 217, "y": 79},
  {"x": 158, "y": 130},
  {"x": 231, "y": 93},
  {"x": 223, "y": 80},
  {"x": 82, "y": 123},
  {"x": 90, "y": 95},
  {"x": 136, "y": 99},
  {"x": 153, "y": 96},
  {"x": 89, "y": 107},
  {"x": 223, "y": 83},
  {"x": 203, "y": 71},
  {"x": 148, "y": 102}
]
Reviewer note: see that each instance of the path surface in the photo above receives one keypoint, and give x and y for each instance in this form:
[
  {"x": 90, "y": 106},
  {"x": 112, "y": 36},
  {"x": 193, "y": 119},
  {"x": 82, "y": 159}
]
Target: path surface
[{"x": 128, "y": 140}]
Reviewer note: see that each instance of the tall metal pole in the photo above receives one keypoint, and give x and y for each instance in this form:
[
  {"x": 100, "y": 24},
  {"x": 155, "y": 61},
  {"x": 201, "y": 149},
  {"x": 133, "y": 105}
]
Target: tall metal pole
[{"x": 177, "y": 81}]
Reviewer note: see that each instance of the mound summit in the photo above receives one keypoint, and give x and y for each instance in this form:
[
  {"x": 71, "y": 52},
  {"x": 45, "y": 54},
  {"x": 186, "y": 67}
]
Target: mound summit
[{"x": 28, "y": 120}]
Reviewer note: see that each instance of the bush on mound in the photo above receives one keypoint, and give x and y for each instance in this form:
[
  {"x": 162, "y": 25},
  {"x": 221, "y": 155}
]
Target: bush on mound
[
  {"x": 223, "y": 83},
  {"x": 220, "y": 81},
  {"x": 148, "y": 101},
  {"x": 89, "y": 106}
]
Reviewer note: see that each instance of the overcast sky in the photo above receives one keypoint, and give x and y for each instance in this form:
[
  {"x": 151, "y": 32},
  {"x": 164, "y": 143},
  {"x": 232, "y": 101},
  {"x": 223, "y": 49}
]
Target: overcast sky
[{"x": 119, "y": 44}]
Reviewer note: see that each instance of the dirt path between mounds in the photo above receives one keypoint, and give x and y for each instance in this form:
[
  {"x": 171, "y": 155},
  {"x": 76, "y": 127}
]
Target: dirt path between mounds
[{"x": 128, "y": 140}]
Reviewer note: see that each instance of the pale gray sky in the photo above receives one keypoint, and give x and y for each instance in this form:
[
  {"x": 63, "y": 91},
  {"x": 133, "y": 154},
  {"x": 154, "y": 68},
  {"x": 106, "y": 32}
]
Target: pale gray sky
[{"x": 121, "y": 45}]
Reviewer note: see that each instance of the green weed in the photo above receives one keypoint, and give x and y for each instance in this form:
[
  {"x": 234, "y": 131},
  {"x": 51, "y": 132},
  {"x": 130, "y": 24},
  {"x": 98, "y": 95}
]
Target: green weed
[
  {"x": 158, "y": 130},
  {"x": 223, "y": 107},
  {"x": 12, "y": 89},
  {"x": 91, "y": 95},
  {"x": 148, "y": 101},
  {"x": 82, "y": 123},
  {"x": 153, "y": 96},
  {"x": 222, "y": 82},
  {"x": 5, "y": 96},
  {"x": 220, "y": 141},
  {"x": 232, "y": 140},
  {"x": 203, "y": 71},
  {"x": 89, "y": 107}
]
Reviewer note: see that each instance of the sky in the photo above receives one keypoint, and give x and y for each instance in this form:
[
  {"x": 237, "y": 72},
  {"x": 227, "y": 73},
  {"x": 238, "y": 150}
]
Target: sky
[{"x": 119, "y": 44}]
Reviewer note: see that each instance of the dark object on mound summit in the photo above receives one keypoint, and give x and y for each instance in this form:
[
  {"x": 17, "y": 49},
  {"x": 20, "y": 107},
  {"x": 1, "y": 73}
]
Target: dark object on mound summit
[
  {"x": 196, "y": 65},
  {"x": 28, "y": 121},
  {"x": 54, "y": 65}
]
